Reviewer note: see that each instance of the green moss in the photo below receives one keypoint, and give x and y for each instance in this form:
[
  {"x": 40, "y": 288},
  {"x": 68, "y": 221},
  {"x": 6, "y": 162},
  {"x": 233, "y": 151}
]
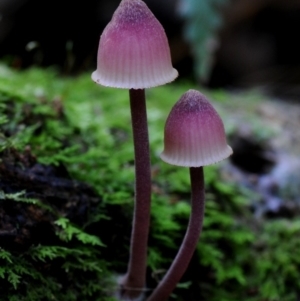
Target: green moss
[{"x": 83, "y": 131}]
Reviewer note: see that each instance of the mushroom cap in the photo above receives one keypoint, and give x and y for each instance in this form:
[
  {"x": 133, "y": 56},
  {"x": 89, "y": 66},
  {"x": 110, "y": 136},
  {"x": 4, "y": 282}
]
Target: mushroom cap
[
  {"x": 194, "y": 133},
  {"x": 133, "y": 50}
]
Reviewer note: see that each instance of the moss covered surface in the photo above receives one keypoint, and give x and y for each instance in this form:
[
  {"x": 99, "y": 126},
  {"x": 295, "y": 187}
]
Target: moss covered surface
[{"x": 66, "y": 199}]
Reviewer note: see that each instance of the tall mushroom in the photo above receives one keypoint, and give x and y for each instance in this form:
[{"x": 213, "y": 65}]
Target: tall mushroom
[
  {"x": 194, "y": 137},
  {"x": 134, "y": 54}
]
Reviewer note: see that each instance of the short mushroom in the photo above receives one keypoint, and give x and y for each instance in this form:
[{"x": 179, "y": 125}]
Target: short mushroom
[
  {"x": 194, "y": 137},
  {"x": 134, "y": 54}
]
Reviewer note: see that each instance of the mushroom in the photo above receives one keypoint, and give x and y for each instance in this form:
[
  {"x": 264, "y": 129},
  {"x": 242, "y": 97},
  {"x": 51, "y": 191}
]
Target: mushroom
[
  {"x": 134, "y": 54},
  {"x": 194, "y": 137},
  {"x": 133, "y": 50}
]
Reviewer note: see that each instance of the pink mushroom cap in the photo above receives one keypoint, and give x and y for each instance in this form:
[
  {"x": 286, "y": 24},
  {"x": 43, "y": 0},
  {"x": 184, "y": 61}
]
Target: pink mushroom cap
[
  {"x": 133, "y": 50},
  {"x": 194, "y": 133}
]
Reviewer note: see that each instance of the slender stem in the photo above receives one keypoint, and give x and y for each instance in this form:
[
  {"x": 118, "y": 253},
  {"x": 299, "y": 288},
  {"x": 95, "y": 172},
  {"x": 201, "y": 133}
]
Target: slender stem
[
  {"x": 134, "y": 281},
  {"x": 188, "y": 246}
]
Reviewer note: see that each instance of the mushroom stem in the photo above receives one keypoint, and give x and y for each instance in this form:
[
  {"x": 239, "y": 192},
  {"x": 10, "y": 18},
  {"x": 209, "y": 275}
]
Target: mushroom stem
[
  {"x": 133, "y": 282},
  {"x": 188, "y": 246}
]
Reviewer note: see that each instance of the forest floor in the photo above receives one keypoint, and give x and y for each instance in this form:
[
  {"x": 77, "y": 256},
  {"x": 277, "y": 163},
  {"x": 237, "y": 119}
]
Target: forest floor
[{"x": 66, "y": 191}]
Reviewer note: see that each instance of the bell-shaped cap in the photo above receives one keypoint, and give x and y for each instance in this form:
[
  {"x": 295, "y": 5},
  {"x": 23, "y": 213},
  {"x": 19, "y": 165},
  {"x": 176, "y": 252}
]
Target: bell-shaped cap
[
  {"x": 133, "y": 50},
  {"x": 194, "y": 133}
]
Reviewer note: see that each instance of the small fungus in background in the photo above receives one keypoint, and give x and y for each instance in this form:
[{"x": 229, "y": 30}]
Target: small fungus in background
[
  {"x": 194, "y": 137},
  {"x": 134, "y": 54}
]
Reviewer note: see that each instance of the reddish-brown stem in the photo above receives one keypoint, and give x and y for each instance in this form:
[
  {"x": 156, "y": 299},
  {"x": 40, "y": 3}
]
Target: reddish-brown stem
[
  {"x": 133, "y": 282},
  {"x": 188, "y": 246}
]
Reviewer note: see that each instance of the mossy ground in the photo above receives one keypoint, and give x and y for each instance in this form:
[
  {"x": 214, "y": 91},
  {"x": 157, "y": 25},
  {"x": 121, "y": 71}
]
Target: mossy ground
[{"x": 65, "y": 212}]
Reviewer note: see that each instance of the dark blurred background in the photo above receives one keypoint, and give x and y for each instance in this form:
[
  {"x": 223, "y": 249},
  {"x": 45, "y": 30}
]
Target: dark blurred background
[{"x": 220, "y": 43}]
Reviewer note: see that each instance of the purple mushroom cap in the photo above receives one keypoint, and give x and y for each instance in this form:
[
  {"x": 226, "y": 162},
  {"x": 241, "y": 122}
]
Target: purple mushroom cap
[
  {"x": 133, "y": 50},
  {"x": 194, "y": 133}
]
